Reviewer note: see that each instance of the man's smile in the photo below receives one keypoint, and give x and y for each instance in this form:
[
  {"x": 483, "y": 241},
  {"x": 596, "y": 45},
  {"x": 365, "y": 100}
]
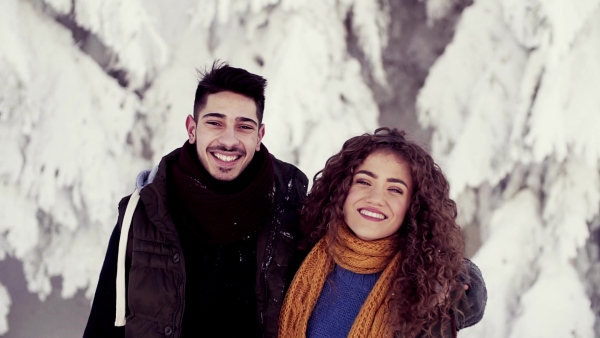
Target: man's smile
[{"x": 226, "y": 158}]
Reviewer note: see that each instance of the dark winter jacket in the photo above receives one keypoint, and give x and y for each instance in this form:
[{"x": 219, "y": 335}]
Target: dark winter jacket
[{"x": 155, "y": 269}]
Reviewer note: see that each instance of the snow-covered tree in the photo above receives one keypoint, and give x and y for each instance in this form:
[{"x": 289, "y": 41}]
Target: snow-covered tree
[{"x": 514, "y": 107}]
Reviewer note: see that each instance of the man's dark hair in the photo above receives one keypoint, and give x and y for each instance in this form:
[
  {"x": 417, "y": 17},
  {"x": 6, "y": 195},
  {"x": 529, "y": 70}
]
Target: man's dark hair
[{"x": 222, "y": 77}]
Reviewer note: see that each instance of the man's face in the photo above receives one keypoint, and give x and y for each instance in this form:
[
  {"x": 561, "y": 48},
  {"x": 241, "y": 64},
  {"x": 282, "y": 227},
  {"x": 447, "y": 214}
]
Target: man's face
[{"x": 226, "y": 135}]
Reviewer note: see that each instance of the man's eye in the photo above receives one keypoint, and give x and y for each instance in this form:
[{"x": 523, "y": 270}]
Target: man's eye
[
  {"x": 212, "y": 123},
  {"x": 247, "y": 127}
]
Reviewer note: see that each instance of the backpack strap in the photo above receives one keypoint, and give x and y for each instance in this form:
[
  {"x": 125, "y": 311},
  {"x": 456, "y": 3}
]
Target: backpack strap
[{"x": 125, "y": 225}]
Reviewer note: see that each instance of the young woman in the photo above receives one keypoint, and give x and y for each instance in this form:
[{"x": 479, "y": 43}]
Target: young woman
[{"x": 388, "y": 259}]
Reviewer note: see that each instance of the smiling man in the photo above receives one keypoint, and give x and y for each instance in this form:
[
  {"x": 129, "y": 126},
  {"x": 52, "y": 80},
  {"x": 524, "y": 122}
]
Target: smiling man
[
  {"x": 211, "y": 248},
  {"x": 227, "y": 132}
]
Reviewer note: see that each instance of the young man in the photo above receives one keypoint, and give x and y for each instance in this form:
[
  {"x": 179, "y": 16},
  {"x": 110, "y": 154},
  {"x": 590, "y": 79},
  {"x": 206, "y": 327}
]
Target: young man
[
  {"x": 212, "y": 238},
  {"x": 212, "y": 244}
]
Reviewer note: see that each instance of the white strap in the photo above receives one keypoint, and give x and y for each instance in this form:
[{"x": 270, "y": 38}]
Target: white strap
[{"x": 120, "y": 316}]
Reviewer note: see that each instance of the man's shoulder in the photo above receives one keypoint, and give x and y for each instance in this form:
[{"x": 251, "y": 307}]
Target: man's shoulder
[
  {"x": 123, "y": 203},
  {"x": 286, "y": 171}
]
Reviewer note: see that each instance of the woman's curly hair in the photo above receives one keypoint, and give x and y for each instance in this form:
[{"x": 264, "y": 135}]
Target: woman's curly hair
[{"x": 429, "y": 239}]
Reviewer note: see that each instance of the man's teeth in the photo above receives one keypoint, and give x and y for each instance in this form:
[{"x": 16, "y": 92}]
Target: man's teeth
[
  {"x": 372, "y": 214},
  {"x": 226, "y": 158}
]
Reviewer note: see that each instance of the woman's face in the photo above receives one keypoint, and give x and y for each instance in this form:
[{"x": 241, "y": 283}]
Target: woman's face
[{"x": 379, "y": 196}]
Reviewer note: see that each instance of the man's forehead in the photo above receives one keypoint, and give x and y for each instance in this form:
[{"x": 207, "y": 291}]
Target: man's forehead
[{"x": 229, "y": 105}]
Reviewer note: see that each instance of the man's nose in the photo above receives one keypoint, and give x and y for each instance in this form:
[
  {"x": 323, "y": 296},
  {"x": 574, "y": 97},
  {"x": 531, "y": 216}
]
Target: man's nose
[{"x": 228, "y": 138}]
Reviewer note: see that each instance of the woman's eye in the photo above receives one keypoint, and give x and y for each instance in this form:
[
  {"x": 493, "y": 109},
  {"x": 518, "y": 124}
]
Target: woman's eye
[
  {"x": 396, "y": 190},
  {"x": 362, "y": 182}
]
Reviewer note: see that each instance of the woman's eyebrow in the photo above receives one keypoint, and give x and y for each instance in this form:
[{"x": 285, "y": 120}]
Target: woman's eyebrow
[
  {"x": 366, "y": 172},
  {"x": 397, "y": 180},
  {"x": 391, "y": 179}
]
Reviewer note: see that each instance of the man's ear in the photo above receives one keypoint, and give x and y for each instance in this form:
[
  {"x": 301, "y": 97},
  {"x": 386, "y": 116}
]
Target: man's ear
[
  {"x": 190, "y": 126},
  {"x": 261, "y": 134}
]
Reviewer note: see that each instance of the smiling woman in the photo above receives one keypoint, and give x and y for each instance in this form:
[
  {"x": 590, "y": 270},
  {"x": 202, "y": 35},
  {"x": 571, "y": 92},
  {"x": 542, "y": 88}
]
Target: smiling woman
[
  {"x": 378, "y": 197},
  {"x": 387, "y": 256}
]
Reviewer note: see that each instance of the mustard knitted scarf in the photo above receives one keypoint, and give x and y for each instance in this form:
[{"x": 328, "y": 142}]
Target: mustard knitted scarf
[{"x": 353, "y": 254}]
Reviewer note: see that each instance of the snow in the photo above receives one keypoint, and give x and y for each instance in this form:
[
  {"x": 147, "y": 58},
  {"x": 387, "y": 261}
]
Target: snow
[
  {"x": 369, "y": 22},
  {"x": 511, "y": 246},
  {"x": 512, "y": 104},
  {"x": 4, "y": 309},
  {"x": 65, "y": 135},
  {"x": 558, "y": 290},
  {"x": 125, "y": 28},
  {"x": 14, "y": 210},
  {"x": 518, "y": 129},
  {"x": 573, "y": 200}
]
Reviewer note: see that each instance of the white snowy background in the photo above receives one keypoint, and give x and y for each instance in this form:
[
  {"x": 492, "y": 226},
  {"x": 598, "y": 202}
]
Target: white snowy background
[{"x": 91, "y": 92}]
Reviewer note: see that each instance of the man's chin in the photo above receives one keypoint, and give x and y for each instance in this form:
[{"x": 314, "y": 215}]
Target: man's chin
[{"x": 225, "y": 174}]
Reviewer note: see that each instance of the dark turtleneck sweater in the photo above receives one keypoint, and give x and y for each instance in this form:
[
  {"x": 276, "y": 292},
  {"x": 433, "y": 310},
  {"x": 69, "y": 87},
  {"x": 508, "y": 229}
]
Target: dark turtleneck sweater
[
  {"x": 220, "y": 289},
  {"x": 220, "y": 296}
]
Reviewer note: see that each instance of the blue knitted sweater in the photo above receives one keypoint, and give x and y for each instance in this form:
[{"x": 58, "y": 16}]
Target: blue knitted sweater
[{"x": 344, "y": 292}]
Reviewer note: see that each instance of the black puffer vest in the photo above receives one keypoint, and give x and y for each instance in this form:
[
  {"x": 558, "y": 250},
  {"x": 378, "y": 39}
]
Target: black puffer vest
[{"x": 157, "y": 262}]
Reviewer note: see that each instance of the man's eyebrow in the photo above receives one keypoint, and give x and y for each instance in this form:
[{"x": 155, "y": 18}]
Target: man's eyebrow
[
  {"x": 217, "y": 115},
  {"x": 392, "y": 180},
  {"x": 246, "y": 119},
  {"x": 222, "y": 116}
]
